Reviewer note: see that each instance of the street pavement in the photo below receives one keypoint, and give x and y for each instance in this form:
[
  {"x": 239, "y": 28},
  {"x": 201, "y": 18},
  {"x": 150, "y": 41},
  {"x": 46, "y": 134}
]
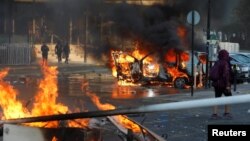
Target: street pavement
[
  {"x": 176, "y": 125},
  {"x": 191, "y": 124}
]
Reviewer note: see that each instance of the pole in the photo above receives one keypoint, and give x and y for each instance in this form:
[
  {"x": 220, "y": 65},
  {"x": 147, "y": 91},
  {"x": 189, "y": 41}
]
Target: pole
[
  {"x": 207, "y": 46},
  {"x": 192, "y": 68},
  {"x": 70, "y": 31},
  {"x": 10, "y": 22},
  {"x": 33, "y": 22},
  {"x": 13, "y": 26},
  {"x": 235, "y": 77},
  {"x": 101, "y": 30},
  {"x": 86, "y": 38}
]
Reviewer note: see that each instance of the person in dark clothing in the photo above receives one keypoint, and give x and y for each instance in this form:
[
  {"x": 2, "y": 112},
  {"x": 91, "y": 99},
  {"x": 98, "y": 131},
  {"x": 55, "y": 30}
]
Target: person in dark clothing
[
  {"x": 66, "y": 51},
  {"x": 223, "y": 84},
  {"x": 45, "y": 50},
  {"x": 58, "y": 51}
]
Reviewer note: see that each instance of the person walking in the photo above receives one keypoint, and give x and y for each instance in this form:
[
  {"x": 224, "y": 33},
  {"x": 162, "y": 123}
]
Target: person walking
[
  {"x": 58, "y": 51},
  {"x": 66, "y": 51},
  {"x": 45, "y": 50},
  {"x": 223, "y": 84}
]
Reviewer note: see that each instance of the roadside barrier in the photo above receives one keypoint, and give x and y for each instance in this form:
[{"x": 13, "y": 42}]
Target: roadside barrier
[{"x": 15, "y": 54}]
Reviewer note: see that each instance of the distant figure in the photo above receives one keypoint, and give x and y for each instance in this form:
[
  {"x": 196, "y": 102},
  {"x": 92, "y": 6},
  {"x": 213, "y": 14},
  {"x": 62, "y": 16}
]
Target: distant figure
[
  {"x": 66, "y": 51},
  {"x": 58, "y": 51},
  {"x": 234, "y": 38},
  {"x": 45, "y": 50},
  {"x": 222, "y": 85}
]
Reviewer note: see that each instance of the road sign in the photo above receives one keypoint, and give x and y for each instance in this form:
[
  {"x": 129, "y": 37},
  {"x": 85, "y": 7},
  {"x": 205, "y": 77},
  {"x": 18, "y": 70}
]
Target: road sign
[{"x": 196, "y": 17}]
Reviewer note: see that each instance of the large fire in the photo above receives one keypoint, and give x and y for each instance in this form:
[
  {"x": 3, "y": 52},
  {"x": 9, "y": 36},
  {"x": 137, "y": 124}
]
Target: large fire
[
  {"x": 130, "y": 68},
  {"x": 11, "y": 107},
  {"x": 45, "y": 102},
  {"x": 172, "y": 57}
]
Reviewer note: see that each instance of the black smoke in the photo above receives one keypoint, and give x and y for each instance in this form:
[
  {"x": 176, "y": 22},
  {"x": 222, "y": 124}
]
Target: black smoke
[
  {"x": 152, "y": 25},
  {"x": 155, "y": 26},
  {"x": 158, "y": 23}
]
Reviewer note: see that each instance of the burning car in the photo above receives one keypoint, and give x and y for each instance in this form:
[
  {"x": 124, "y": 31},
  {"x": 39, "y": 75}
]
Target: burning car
[{"x": 144, "y": 70}]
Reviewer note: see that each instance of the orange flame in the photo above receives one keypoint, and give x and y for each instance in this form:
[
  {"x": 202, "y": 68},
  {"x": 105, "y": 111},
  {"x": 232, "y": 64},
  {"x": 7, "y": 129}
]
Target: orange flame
[
  {"x": 12, "y": 108},
  {"x": 182, "y": 34},
  {"x": 203, "y": 59},
  {"x": 79, "y": 123},
  {"x": 123, "y": 64},
  {"x": 46, "y": 104},
  {"x": 171, "y": 56},
  {"x": 100, "y": 106},
  {"x": 122, "y": 92},
  {"x": 122, "y": 61},
  {"x": 148, "y": 67},
  {"x": 54, "y": 139},
  {"x": 184, "y": 56},
  {"x": 122, "y": 120},
  {"x": 174, "y": 72},
  {"x": 45, "y": 99},
  {"x": 3, "y": 73}
]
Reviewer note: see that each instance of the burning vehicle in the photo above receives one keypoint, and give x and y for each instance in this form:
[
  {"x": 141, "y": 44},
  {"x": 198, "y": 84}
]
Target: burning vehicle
[{"x": 144, "y": 69}]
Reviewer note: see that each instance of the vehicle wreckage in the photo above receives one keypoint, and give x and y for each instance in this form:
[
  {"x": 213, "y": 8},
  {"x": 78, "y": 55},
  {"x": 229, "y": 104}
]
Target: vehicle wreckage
[{"x": 132, "y": 70}]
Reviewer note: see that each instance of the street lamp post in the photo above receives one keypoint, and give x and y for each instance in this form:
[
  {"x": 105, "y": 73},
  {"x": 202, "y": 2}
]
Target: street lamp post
[{"x": 208, "y": 39}]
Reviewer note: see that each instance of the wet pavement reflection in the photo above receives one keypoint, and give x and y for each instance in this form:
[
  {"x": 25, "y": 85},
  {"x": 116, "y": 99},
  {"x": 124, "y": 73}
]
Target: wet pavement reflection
[
  {"x": 106, "y": 86},
  {"x": 74, "y": 89}
]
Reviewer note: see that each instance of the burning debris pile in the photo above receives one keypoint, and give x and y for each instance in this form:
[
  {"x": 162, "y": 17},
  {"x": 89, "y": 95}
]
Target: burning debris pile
[
  {"x": 11, "y": 107},
  {"x": 45, "y": 105},
  {"x": 45, "y": 101},
  {"x": 123, "y": 123}
]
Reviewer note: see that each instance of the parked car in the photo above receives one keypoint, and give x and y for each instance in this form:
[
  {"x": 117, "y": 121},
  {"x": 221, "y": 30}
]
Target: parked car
[
  {"x": 247, "y": 54},
  {"x": 242, "y": 65},
  {"x": 245, "y": 57}
]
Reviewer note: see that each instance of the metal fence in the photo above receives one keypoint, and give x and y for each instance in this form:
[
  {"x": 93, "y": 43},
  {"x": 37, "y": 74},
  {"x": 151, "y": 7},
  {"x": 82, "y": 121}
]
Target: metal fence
[{"x": 16, "y": 54}]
